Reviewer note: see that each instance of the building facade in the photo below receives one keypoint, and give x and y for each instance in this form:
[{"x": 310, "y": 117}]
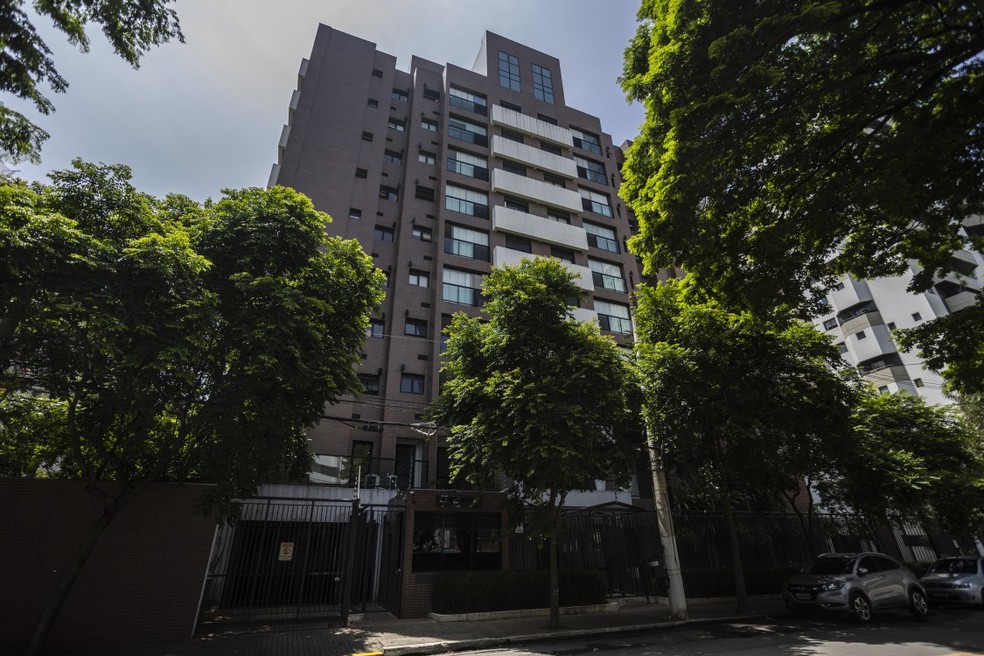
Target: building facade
[{"x": 441, "y": 172}]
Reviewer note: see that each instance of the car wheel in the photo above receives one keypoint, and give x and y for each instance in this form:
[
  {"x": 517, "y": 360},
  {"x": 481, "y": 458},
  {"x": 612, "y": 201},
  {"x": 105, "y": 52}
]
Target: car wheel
[
  {"x": 918, "y": 604},
  {"x": 861, "y": 608}
]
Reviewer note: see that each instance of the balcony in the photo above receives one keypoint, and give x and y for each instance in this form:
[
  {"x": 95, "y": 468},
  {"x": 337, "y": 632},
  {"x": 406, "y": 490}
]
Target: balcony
[
  {"x": 504, "y": 182},
  {"x": 532, "y": 126},
  {"x": 520, "y": 223},
  {"x": 855, "y": 321},
  {"x": 282, "y": 144},
  {"x": 274, "y": 176},
  {"x": 502, "y": 256},
  {"x": 961, "y": 300},
  {"x": 852, "y": 293},
  {"x": 294, "y": 99},
  {"x": 877, "y": 341},
  {"x": 371, "y": 473},
  {"x": 530, "y": 156}
]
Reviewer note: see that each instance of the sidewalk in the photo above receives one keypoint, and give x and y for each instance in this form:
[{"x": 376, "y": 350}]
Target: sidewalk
[{"x": 382, "y": 633}]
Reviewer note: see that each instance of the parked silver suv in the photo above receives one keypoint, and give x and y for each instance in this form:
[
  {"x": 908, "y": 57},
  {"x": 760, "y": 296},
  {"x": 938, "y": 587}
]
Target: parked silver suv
[
  {"x": 856, "y": 583},
  {"x": 959, "y": 579}
]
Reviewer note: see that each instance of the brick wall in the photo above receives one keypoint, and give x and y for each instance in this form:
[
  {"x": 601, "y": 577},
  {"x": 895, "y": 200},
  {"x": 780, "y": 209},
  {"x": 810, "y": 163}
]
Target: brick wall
[{"x": 141, "y": 584}]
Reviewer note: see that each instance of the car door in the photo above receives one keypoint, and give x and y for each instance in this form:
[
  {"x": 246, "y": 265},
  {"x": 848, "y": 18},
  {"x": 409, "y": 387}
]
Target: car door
[
  {"x": 871, "y": 579},
  {"x": 892, "y": 583}
]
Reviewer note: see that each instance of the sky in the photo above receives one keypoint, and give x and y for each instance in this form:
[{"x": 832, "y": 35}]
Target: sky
[{"x": 206, "y": 115}]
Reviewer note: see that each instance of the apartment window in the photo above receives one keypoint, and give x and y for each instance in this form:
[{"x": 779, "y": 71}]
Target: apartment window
[
  {"x": 508, "y": 71},
  {"x": 586, "y": 141},
  {"x": 424, "y": 193},
  {"x": 381, "y": 233},
  {"x": 830, "y": 324},
  {"x": 558, "y": 216},
  {"x": 467, "y": 164},
  {"x": 555, "y": 180},
  {"x": 398, "y": 125},
  {"x": 510, "y": 106},
  {"x": 466, "y": 242},
  {"x": 466, "y": 100},
  {"x": 466, "y": 131},
  {"x": 547, "y": 119},
  {"x": 607, "y": 275},
  {"x": 415, "y": 328},
  {"x": 400, "y": 95},
  {"x": 883, "y": 389},
  {"x": 373, "y": 103},
  {"x": 860, "y": 335},
  {"x": 428, "y": 124},
  {"x": 421, "y": 233},
  {"x": 411, "y": 384},
  {"x": 392, "y": 157},
  {"x": 601, "y": 238},
  {"x": 591, "y": 170},
  {"x": 916, "y": 316},
  {"x": 466, "y": 201},
  {"x": 361, "y": 173},
  {"x": 518, "y": 205},
  {"x": 592, "y": 201},
  {"x": 376, "y": 328},
  {"x": 370, "y": 383},
  {"x": 839, "y": 286},
  {"x": 355, "y": 213},
  {"x": 377, "y": 73},
  {"x": 542, "y": 84},
  {"x": 553, "y": 149},
  {"x": 426, "y": 157},
  {"x": 891, "y": 325},
  {"x": 613, "y": 317},
  {"x": 519, "y": 244},
  {"x": 562, "y": 254},
  {"x": 515, "y": 168},
  {"x": 367, "y": 136},
  {"x": 918, "y": 382},
  {"x": 511, "y": 135},
  {"x": 841, "y": 347},
  {"x": 419, "y": 278},
  {"x": 462, "y": 287},
  {"x": 388, "y": 193},
  {"x": 431, "y": 94}
]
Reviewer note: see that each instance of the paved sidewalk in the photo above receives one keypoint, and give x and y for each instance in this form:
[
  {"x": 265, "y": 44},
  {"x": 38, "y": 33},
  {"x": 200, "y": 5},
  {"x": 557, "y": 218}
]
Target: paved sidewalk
[{"x": 382, "y": 633}]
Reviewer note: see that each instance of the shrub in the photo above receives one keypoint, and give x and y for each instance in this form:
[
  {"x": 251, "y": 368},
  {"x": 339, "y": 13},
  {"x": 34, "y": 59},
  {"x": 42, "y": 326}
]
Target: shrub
[{"x": 476, "y": 592}]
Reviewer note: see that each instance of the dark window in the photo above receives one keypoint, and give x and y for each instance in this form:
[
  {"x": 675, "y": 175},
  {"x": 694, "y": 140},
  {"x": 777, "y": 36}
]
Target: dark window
[
  {"x": 415, "y": 328},
  {"x": 918, "y": 382},
  {"x": 547, "y": 119},
  {"x": 466, "y": 201},
  {"x": 361, "y": 173},
  {"x": 376, "y": 328},
  {"x": 550, "y": 148},
  {"x": 916, "y": 316},
  {"x": 382, "y": 234},
  {"x": 388, "y": 193},
  {"x": 377, "y": 73},
  {"x": 512, "y": 135},
  {"x": 424, "y": 193},
  {"x": 355, "y": 213},
  {"x": 513, "y": 167},
  {"x": 860, "y": 335},
  {"x": 601, "y": 237},
  {"x": 606, "y": 275},
  {"x": 398, "y": 125},
  {"x": 508, "y": 71},
  {"x": 830, "y": 324},
  {"x": 367, "y": 136},
  {"x": 370, "y": 384},
  {"x": 431, "y": 94},
  {"x": 519, "y": 244},
  {"x": 373, "y": 103},
  {"x": 542, "y": 84},
  {"x": 464, "y": 163},
  {"x": 586, "y": 141},
  {"x": 399, "y": 94},
  {"x": 839, "y": 286},
  {"x": 842, "y": 347},
  {"x": 456, "y": 541},
  {"x": 518, "y": 205},
  {"x": 558, "y": 216},
  {"x": 591, "y": 170},
  {"x": 883, "y": 389},
  {"x": 555, "y": 180},
  {"x": 564, "y": 254},
  {"x": 411, "y": 384},
  {"x": 592, "y": 201},
  {"x": 467, "y": 100},
  {"x": 465, "y": 242},
  {"x": 421, "y": 233},
  {"x": 466, "y": 131},
  {"x": 509, "y": 105},
  {"x": 891, "y": 325},
  {"x": 392, "y": 157}
]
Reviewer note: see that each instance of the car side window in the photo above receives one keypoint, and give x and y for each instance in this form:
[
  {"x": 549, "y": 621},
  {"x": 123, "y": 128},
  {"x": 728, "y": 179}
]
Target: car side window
[
  {"x": 885, "y": 564},
  {"x": 867, "y": 565}
]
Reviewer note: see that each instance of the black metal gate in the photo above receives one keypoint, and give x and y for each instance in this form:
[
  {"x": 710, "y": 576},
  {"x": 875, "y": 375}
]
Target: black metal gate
[{"x": 294, "y": 559}]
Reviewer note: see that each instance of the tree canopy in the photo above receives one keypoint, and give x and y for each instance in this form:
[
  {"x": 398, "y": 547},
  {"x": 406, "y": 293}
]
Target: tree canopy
[
  {"x": 534, "y": 396},
  {"x": 786, "y": 142},
  {"x": 130, "y": 26}
]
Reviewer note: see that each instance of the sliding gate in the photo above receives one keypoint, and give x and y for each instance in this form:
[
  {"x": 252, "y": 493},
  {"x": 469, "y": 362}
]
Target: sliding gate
[{"x": 295, "y": 559}]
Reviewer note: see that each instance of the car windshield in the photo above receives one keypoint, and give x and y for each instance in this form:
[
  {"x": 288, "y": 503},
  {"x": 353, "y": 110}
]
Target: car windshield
[
  {"x": 831, "y": 566},
  {"x": 954, "y": 566}
]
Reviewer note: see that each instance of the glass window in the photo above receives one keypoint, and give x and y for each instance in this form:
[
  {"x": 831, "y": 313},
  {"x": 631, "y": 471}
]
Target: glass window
[
  {"x": 370, "y": 383},
  {"x": 388, "y": 193},
  {"x": 513, "y": 167},
  {"x": 467, "y": 164},
  {"x": 382, "y": 234},
  {"x": 472, "y": 102},
  {"x": 423, "y": 193},
  {"x": 428, "y": 124},
  {"x": 400, "y": 95},
  {"x": 613, "y": 317},
  {"x": 516, "y": 204},
  {"x": 509, "y": 105},
  {"x": 377, "y": 73},
  {"x": 511, "y": 135},
  {"x": 415, "y": 328},
  {"x": 466, "y": 131},
  {"x": 419, "y": 278},
  {"x": 462, "y": 287},
  {"x": 466, "y": 242},
  {"x": 373, "y": 103},
  {"x": 591, "y": 170},
  {"x": 830, "y": 324},
  {"x": 553, "y": 149},
  {"x": 592, "y": 201},
  {"x": 426, "y": 157},
  {"x": 555, "y": 180},
  {"x": 361, "y": 173},
  {"x": 542, "y": 84},
  {"x": 841, "y": 347},
  {"x": 392, "y": 157},
  {"x": 432, "y": 94},
  {"x": 601, "y": 238},
  {"x": 519, "y": 244},
  {"x": 558, "y": 216},
  {"x": 563, "y": 254},
  {"x": 467, "y": 201},
  {"x": 376, "y": 328},
  {"x": 586, "y": 141},
  {"x": 367, "y": 136},
  {"x": 456, "y": 541},
  {"x": 508, "y": 71},
  {"x": 607, "y": 275},
  {"x": 355, "y": 213},
  {"x": 411, "y": 383},
  {"x": 397, "y": 124},
  {"x": 421, "y": 233}
]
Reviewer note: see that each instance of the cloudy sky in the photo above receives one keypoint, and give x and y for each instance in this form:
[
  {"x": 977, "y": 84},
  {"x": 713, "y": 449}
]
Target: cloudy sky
[{"x": 206, "y": 115}]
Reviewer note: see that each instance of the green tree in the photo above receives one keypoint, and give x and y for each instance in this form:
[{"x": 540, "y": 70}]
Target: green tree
[
  {"x": 130, "y": 26},
  {"x": 786, "y": 142},
  {"x": 536, "y": 397},
  {"x": 733, "y": 402},
  {"x": 170, "y": 341},
  {"x": 909, "y": 461}
]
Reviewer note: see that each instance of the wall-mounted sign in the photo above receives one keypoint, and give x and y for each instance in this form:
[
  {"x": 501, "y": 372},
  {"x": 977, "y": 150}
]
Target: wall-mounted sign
[{"x": 286, "y": 551}]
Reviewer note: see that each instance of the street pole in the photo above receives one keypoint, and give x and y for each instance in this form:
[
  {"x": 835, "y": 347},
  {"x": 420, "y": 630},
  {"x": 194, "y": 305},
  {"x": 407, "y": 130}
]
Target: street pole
[{"x": 667, "y": 535}]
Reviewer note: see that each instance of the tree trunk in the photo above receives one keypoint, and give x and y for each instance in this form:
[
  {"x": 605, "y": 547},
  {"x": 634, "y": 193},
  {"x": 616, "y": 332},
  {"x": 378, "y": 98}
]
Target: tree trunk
[
  {"x": 741, "y": 593},
  {"x": 667, "y": 535},
  {"x": 68, "y": 578},
  {"x": 554, "y": 582}
]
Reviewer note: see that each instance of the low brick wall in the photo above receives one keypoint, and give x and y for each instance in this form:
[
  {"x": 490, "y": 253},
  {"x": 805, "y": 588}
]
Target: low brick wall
[{"x": 141, "y": 584}]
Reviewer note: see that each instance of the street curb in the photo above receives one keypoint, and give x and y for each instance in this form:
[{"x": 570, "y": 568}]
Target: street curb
[{"x": 483, "y": 643}]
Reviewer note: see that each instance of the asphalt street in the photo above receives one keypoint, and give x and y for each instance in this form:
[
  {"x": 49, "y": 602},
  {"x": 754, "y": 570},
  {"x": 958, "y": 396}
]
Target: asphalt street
[{"x": 946, "y": 632}]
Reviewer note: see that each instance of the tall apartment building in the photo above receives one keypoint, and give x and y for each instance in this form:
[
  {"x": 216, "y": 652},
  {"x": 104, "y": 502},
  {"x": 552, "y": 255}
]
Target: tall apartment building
[
  {"x": 863, "y": 313},
  {"x": 441, "y": 172}
]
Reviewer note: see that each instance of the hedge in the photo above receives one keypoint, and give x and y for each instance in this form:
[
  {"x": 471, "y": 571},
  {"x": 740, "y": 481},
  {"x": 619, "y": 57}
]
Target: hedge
[{"x": 476, "y": 592}]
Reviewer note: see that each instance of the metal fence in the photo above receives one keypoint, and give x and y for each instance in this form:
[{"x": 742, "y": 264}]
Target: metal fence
[{"x": 289, "y": 559}]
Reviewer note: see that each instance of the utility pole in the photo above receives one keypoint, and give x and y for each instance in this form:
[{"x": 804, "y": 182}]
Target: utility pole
[{"x": 667, "y": 535}]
